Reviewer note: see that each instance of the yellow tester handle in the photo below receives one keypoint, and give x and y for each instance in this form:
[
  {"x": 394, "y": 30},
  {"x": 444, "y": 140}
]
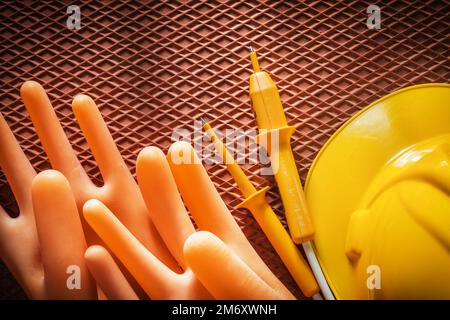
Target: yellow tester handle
[
  {"x": 272, "y": 124},
  {"x": 255, "y": 202}
]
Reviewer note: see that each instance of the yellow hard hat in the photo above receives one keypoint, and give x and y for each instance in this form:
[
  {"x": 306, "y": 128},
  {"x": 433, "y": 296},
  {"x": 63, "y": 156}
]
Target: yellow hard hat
[{"x": 379, "y": 195}]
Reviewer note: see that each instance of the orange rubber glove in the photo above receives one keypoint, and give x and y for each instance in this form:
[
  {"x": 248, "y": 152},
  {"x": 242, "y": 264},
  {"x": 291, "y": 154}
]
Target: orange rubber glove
[
  {"x": 41, "y": 243},
  {"x": 132, "y": 226},
  {"x": 217, "y": 262},
  {"x": 120, "y": 190}
]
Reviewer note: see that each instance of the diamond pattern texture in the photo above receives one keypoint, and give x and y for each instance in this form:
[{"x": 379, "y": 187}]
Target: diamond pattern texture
[{"x": 157, "y": 66}]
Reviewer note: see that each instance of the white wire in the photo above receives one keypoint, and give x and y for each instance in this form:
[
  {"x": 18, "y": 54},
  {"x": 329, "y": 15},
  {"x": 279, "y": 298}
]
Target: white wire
[
  {"x": 317, "y": 296},
  {"x": 314, "y": 263}
]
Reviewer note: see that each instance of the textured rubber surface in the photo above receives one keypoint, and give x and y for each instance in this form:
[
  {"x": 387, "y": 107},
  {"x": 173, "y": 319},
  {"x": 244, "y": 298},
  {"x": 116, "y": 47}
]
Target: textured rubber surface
[{"x": 155, "y": 67}]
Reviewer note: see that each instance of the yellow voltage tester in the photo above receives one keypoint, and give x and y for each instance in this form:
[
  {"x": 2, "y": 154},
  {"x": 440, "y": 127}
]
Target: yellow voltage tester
[
  {"x": 272, "y": 124},
  {"x": 255, "y": 202}
]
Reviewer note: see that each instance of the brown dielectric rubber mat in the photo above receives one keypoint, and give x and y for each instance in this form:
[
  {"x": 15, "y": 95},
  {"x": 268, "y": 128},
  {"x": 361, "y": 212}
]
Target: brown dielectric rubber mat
[{"x": 157, "y": 66}]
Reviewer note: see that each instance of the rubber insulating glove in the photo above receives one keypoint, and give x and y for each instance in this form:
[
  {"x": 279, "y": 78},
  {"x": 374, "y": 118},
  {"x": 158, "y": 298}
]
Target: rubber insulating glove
[
  {"x": 217, "y": 262},
  {"x": 45, "y": 242},
  {"x": 183, "y": 261},
  {"x": 120, "y": 191}
]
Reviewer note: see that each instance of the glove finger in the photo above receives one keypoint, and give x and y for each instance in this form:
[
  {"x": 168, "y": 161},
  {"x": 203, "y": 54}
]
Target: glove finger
[
  {"x": 163, "y": 201},
  {"x": 206, "y": 255},
  {"x": 61, "y": 238},
  {"x": 16, "y": 167},
  {"x": 99, "y": 138},
  {"x": 152, "y": 275},
  {"x": 107, "y": 274},
  {"x": 51, "y": 134}
]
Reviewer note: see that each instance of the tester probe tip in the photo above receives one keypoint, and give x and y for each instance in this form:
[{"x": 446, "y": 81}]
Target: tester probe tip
[{"x": 254, "y": 59}]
